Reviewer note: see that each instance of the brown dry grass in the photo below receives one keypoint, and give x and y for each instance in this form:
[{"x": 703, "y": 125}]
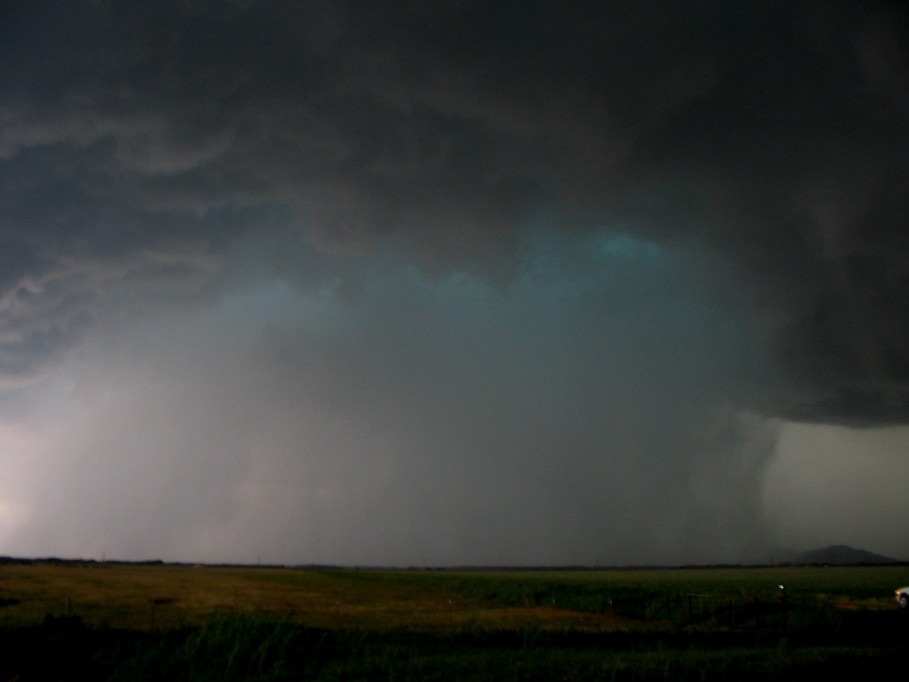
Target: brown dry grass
[
  {"x": 138, "y": 596},
  {"x": 146, "y": 596}
]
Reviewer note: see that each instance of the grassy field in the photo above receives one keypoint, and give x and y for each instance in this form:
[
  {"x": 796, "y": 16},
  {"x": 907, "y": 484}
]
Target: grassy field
[{"x": 69, "y": 620}]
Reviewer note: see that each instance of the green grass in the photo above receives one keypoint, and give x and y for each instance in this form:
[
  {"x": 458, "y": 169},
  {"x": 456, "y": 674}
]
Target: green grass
[
  {"x": 251, "y": 648},
  {"x": 133, "y": 622}
]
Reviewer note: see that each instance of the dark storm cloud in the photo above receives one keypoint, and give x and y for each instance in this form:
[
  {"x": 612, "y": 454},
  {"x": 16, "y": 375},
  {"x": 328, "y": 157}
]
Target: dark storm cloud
[{"x": 773, "y": 136}]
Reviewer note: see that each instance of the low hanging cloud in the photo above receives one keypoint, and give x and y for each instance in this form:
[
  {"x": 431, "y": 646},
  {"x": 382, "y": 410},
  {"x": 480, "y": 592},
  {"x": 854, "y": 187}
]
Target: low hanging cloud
[
  {"x": 412, "y": 421},
  {"x": 440, "y": 283}
]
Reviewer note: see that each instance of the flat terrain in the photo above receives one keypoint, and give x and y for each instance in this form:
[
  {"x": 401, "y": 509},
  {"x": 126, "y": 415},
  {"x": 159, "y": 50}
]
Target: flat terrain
[{"x": 69, "y": 620}]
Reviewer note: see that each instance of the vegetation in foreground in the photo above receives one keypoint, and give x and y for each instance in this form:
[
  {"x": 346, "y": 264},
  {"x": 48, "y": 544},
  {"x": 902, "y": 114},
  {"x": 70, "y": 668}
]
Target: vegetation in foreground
[{"x": 139, "y": 622}]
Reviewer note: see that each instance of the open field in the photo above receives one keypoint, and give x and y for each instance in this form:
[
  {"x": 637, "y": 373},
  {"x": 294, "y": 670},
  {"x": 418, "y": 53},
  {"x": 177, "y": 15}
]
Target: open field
[{"x": 69, "y": 620}]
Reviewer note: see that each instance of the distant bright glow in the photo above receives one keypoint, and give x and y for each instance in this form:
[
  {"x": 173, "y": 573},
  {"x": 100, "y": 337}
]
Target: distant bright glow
[
  {"x": 832, "y": 485},
  {"x": 11, "y": 515},
  {"x": 15, "y": 445}
]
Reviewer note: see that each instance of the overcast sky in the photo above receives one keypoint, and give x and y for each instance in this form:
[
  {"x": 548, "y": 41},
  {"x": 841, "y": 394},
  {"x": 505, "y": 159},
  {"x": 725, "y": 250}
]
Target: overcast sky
[{"x": 453, "y": 282}]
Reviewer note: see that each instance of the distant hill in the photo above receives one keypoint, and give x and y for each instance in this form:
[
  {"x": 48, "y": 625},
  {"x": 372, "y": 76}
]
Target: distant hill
[{"x": 835, "y": 555}]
